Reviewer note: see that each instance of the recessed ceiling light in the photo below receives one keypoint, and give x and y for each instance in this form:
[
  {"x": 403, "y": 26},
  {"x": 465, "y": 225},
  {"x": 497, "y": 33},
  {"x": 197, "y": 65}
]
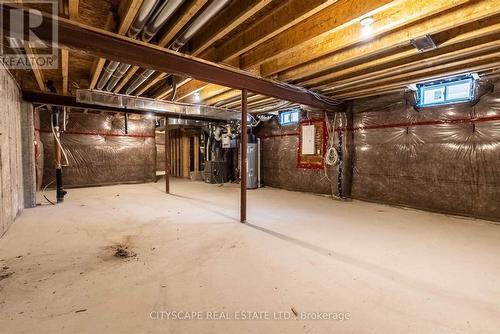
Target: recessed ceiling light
[{"x": 367, "y": 21}]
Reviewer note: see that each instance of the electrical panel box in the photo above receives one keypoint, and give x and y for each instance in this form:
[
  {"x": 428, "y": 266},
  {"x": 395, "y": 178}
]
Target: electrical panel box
[{"x": 308, "y": 139}]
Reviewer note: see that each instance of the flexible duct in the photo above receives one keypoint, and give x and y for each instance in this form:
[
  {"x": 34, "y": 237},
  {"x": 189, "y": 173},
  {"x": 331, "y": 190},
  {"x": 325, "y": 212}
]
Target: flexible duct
[
  {"x": 115, "y": 69},
  {"x": 151, "y": 29},
  {"x": 142, "y": 17},
  {"x": 198, "y": 23},
  {"x": 108, "y": 72},
  {"x": 164, "y": 13},
  {"x": 117, "y": 75},
  {"x": 145, "y": 75}
]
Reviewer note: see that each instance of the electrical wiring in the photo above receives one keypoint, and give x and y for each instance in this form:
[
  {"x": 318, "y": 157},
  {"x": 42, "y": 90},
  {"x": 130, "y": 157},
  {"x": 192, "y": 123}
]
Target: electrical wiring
[
  {"x": 331, "y": 157},
  {"x": 174, "y": 88},
  {"x": 60, "y": 145},
  {"x": 318, "y": 96},
  {"x": 45, "y": 188},
  {"x": 331, "y": 154},
  {"x": 328, "y": 100},
  {"x": 280, "y": 106}
]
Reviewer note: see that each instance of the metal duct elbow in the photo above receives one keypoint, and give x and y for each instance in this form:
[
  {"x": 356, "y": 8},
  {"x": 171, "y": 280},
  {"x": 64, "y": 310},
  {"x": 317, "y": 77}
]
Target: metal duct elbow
[
  {"x": 117, "y": 75},
  {"x": 162, "y": 16},
  {"x": 214, "y": 8},
  {"x": 142, "y": 17},
  {"x": 108, "y": 72},
  {"x": 139, "y": 81}
]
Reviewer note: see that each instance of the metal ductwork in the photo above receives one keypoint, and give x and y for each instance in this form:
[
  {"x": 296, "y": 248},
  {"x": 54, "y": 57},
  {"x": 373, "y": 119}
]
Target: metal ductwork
[
  {"x": 149, "y": 20},
  {"x": 145, "y": 13},
  {"x": 116, "y": 70},
  {"x": 108, "y": 72},
  {"x": 214, "y": 8},
  {"x": 145, "y": 75},
  {"x": 117, "y": 75},
  {"x": 163, "y": 14}
]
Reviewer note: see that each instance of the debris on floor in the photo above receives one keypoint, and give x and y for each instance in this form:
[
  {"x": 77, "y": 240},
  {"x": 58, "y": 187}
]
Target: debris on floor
[
  {"x": 123, "y": 252},
  {"x": 4, "y": 276}
]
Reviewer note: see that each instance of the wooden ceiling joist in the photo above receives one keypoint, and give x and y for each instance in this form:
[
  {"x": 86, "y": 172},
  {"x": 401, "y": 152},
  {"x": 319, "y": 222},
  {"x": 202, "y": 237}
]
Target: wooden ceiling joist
[
  {"x": 411, "y": 78},
  {"x": 405, "y": 56},
  {"x": 451, "y": 45},
  {"x": 165, "y": 41},
  {"x": 115, "y": 47},
  {"x": 222, "y": 97},
  {"x": 212, "y": 90},
  {"x": 189, "y": 88},
  {"x": 127, "y": 12},
  {"x": 280, "y": 19},
  {"x": 126, "y": 78},
  {"x": 151, "y": 83},
  {"x": 482, "y": 61},
  {"x": 237, "y": 13},
  {"x": 385, "y": 21},
  {"x": 65, "y": 71},
  {"x": 339, "y": 14},
  {"x": 442, "y": 61},
  {"x": 73, "y": 6},
  {"x": 472, "y": 11},
  {"x": 37, "y": 72},
  {"x": 191, "y": 11}
]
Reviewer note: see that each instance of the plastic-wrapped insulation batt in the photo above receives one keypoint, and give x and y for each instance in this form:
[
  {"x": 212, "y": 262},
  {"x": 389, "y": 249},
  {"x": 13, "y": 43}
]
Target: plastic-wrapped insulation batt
[{"x": 99, "y": 150}]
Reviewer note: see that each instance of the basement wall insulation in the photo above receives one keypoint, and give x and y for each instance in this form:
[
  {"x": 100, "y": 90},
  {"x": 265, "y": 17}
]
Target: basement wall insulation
[
  {"x": 100, "y": 152},
  {"x": 160, "y": 151},
  {"x": 280, "y": 158},
  {"x": 444, "y": 159}
]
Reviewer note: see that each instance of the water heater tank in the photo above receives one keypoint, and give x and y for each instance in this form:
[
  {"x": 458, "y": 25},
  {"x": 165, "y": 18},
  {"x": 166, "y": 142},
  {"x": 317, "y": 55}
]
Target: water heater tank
[{"x": 252, "y": 166}]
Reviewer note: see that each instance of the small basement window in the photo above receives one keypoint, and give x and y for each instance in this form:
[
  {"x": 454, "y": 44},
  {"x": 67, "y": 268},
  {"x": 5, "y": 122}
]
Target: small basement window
[
  {"x": 289, "y": 117},
  {"x": 451, "y": 90}
]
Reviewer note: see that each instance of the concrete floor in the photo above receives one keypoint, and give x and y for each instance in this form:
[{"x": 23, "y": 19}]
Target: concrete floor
[{"x": 392, "y": 270}]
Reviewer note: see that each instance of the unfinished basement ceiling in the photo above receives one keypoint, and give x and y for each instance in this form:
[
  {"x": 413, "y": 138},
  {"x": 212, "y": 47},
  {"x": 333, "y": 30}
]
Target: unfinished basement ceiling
[{"x": 317, "y": 44}]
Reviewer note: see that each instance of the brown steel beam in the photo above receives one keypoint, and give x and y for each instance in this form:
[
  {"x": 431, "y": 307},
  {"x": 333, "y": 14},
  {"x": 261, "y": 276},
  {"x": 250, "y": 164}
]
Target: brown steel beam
[
  {"x": 167, "y": 157},
  {"x": 112, "y": 46},
  {"x": 244, "y": 144},
  {"x": 70, "y": 101}
]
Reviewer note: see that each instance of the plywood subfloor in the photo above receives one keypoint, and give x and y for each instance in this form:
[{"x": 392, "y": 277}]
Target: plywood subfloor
[{"x": 393, "y": 270}]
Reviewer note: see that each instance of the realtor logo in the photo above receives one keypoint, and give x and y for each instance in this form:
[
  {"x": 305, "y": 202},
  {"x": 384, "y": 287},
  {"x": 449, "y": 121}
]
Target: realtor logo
[{"x": 21, "y": 47}]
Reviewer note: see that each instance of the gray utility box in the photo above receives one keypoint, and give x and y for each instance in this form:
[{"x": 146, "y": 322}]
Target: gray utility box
[{"x": 252, "y": 166}]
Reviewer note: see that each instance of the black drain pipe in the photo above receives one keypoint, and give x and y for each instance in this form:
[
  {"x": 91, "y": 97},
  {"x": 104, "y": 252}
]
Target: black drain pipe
[
  {"x": 60, "y": 192},
  {"x": 341, "y": 165}
]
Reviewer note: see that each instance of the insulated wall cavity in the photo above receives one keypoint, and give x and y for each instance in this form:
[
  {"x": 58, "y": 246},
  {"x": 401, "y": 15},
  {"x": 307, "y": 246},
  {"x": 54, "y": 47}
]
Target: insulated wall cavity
[
  {"x": 280, "y": 153},
  {"x": 160, "y": 152},
  {"x": 100, "y": 151},
  {"x": 444, "y": 159}
]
